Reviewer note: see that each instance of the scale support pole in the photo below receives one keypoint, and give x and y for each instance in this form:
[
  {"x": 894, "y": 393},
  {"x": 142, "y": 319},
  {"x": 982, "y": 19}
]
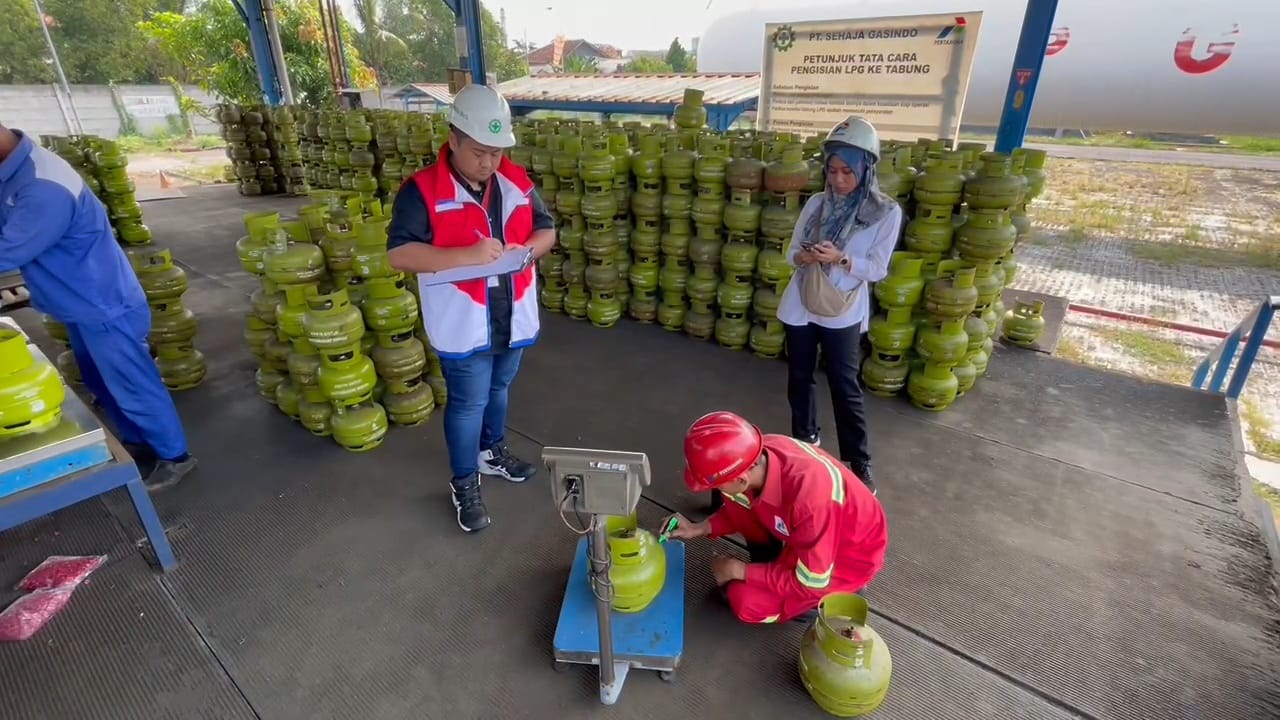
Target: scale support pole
[
  {"x": 1028, "y": 60},
  {"x": 612, "y": 673}
]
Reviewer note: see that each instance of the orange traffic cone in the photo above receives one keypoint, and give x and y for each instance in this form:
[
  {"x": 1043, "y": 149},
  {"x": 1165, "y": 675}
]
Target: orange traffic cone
[{"x": 164, "y": 180}]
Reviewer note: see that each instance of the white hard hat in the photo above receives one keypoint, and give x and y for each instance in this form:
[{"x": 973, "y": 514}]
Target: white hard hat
[
  {"x": 857, "y": 132},
  {"x": 483, "y": 115}
]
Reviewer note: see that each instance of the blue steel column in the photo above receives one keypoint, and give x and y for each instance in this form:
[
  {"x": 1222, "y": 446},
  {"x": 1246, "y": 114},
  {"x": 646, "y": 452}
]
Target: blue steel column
[
  {"x": 469, "y": 18},
  {"x": 1037, "y": 26},
  {"x": 251, "y": 12}
]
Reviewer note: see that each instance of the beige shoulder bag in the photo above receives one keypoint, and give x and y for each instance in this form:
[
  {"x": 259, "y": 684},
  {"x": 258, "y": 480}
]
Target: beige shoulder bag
[{"x": 818, "y": 294}]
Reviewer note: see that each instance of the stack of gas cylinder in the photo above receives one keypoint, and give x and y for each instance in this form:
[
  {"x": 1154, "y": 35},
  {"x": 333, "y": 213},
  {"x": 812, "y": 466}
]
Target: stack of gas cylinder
[
  {"x": 253, "y": 148},
  {"x": 940, "y": 306},
  {"x": 335, "y": 328},
  {"x": 103, "y": 166}
]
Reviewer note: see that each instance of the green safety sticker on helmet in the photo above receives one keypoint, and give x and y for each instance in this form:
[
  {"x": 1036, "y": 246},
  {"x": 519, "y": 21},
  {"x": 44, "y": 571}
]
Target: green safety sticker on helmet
[{"x": 495, "y": 126}]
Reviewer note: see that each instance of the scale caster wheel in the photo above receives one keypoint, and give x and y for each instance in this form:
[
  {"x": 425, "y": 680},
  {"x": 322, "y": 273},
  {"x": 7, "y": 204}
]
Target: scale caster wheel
[{"x": 667, "y": 675}]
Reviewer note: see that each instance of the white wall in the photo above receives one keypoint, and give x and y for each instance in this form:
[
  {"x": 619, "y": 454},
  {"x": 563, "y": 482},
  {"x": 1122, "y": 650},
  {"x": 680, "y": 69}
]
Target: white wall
[{"x": 47, "y": 110}]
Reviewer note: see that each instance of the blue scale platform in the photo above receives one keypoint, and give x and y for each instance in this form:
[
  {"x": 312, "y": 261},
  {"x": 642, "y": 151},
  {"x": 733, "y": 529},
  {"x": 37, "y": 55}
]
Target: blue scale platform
[{"x": 650, "y": 640}]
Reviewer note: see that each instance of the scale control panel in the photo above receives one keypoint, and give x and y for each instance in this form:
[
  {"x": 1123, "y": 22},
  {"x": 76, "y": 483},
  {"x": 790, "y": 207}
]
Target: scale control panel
[{"x": 596, "y": 482}]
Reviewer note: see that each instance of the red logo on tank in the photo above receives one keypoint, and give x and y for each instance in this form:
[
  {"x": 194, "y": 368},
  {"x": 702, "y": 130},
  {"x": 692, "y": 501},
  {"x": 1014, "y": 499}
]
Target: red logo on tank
[
  {"x": 1058, "y": 40},
  {"x": 1218, "y": 52}
]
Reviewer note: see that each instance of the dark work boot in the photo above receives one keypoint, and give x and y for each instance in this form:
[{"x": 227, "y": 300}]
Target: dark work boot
[
  {"x": 863, "y": 471},
  {"x": 143, "y": 456},
  {"x": 472, "y": 515},
  {"x": 168, "y": 473}
]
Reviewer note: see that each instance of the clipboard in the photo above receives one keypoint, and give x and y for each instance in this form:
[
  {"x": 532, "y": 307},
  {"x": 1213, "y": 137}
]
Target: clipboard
[{"x": 512, "y": 260}]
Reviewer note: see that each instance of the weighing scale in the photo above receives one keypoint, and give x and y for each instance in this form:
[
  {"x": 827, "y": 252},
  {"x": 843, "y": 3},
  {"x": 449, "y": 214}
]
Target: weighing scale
[{"x": 598, "y": 483}]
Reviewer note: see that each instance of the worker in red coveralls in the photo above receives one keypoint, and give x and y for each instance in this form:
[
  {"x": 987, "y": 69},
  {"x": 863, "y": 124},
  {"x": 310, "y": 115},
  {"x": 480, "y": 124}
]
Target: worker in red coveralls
[{"x": 811, "y": 526}]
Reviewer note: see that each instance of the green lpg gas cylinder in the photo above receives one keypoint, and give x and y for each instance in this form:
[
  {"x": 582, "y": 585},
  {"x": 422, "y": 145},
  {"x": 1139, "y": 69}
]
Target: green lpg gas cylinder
[
  {"x": 765, "y": 304},
  {"x": 979, "y": 360},
  {"x": 844, "y": 664},
  {"x": 702, "y": 284},
  {"x": 289, "y": 398},
  {"x": 994, "y": 186},
  {"x": 643, "y": 306},
  {"x": 31, "y": 393},
  {"x": 134, "y": 233},
  {"x": 439, "y": 388},
  {"x": 346, "y": 375},
  {"x": 994, "y": 315},
  {"x": 314, "y": 411},
  {"x": 943, "y": 182},
  {"x": 573, "y": 234},
  {"x": 398, "y": 357},
  {"x": 745, "y": 173},
  {"x": 733, "y": 330},
  {"x": 601, "y": 243},
  {"x": 408, "y": 402},
  {"x": 934, "y": 388},
  {"x": 276, "y": 351},
  {"x": 976, "y": 327},
  {"x": 569, "y": 198},
  {"x": 699, "y": 321},
  {"x": 705, "y": 250},
  {"x": 691, "y": 114},
  {"x": 903, "y": 286},
  {"x": 369, "y": 259},
  {"x": 359, "y": 428},
  {"x": 944, "y": 343},
  {"x": 708, "y": 207},
  {"x": 778, "y": 219},
  {"x": 292, "y": 263},
  {"x": 564, "y": 161},
  {"x": 1024, "y": 324},
  {"x": 552, "y": 296},
  {"x": 604, "y": 309},
  {"x": 766, "y": 339},
  {"x": 676, "y": 206},
  {"x": 1010, "y": 266},
  {"x": 989, "y": 280},
  {"x": 171, "y": 323},
  {"x": 256, "y": 334},
  {"x": 966, "y": 375},
  {"x": 161, "y": 280},
  {"x": 289, "y": 313},
  {"x": 771, "y": 265},
  {"x": 388, "y": 306},
  {"x": 575, "y": 301},
  {"x": 738, "y": 258},
  {"x": 303, "y": 362},
  {"x": 677, "y": 167},
  {"x": 671, "y": 314},
  {"x": 596, "y": 166},
  {"x": 884, "y": 379},
  {"x": 599, "y": 206},
  {"x": 331, "y": 321},
  {"x": 621, "y": 152},
  {"x": 892, "y": 335},
  {"x": 551, "y": 265},
  {"x": 268, "y": 379},
  {"x": 638, "y": 568},
  {"x": 952, "y": 294},
  {"x": 713, "y": 161},
  {"x": 674, "y": 277},
  {"x": 790, "y": 173},
  {"x": 643, "y": 276},
  {"x": 646, "y": 164},
  {"x": 986, "y": 236},
  {"x": 1033, "y": 170},
  {"x": 931, "y": 230},
  {"x": 181, "y": 366},
  {"x": 741, "y": 215},
  {"x": 734, "y": 297},
  {"x": 646, "y": 204}
]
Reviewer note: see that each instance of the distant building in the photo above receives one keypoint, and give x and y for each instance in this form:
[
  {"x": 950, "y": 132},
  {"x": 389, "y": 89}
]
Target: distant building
[{"x": 550, "y": 59}]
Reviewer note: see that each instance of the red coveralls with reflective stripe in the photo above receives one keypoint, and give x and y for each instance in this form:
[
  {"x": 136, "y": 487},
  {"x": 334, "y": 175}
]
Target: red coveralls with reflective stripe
[{"x": 832, "y": 528}]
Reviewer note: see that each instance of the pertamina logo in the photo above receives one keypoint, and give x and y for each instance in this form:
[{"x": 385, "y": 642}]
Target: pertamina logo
[{"x": 953, "y": 33}]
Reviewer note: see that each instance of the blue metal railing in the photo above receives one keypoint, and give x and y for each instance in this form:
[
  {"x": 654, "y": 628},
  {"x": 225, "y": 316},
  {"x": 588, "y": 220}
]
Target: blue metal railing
[{"x": 1220, "y": 360}]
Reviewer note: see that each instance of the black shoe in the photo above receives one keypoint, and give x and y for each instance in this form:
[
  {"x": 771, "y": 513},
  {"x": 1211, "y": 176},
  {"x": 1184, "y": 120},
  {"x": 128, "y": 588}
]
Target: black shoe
[
  {"x": 863, "y": 471},
  {"x": 499, "y": 461},
  {"x": 143, "y": 456},
  {"x": 813, "y": 440},
  {"x": 168, "y": 473},
  {"x": 470, "y": 506}
]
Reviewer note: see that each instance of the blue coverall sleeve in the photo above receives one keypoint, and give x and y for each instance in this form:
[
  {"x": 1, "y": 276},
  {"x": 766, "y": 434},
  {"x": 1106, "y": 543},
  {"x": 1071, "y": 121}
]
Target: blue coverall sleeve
[{"x": 40, "y": 216}]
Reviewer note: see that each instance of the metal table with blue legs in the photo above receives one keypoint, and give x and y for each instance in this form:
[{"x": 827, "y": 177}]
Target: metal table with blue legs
[{"x": 71, "y": 462}]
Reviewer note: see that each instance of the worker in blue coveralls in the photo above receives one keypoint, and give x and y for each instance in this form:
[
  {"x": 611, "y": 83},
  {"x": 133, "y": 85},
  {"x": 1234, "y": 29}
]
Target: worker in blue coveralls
[{"x": 56, "y": 232}]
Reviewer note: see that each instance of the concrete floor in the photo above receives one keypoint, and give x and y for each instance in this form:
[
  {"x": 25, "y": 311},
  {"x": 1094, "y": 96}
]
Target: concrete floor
[{"x": 1064, "y": 543}]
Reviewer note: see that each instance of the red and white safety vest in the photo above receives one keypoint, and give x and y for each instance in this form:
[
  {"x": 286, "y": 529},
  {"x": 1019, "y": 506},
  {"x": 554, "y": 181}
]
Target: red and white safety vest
[{"x": 456, "y": 315}]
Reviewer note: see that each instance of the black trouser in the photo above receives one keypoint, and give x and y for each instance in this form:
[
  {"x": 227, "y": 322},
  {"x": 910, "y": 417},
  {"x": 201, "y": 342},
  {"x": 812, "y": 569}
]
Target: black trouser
[{"x": 840, "y": 351}]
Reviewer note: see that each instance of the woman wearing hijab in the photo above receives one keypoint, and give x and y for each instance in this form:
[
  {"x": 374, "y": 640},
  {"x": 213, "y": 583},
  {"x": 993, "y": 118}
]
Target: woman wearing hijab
[{"x": 842, "y": 242}]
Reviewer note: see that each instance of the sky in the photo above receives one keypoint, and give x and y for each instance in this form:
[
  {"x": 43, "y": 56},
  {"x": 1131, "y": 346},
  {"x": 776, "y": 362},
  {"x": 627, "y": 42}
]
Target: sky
[{"x": 626, "y": 24}]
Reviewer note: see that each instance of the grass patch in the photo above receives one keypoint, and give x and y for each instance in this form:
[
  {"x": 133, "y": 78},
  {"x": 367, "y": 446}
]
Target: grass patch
[
  {"x": 1069, "y": 349},
  {"x": 1167, "y": 360},
  {"x": 1260, "y": 431},
  {"x": 1272, "y": 496},
  {"x": 1263, "y": 254},
  {"x": 205, "y": 174},
  {"x": 163, "y": 142},
  {"x": 1229, "y": 144}
]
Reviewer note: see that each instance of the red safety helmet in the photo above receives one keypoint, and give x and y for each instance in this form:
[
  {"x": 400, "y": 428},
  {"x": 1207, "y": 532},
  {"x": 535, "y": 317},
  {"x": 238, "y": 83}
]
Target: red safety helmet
[{"x": 718, "y": 448}]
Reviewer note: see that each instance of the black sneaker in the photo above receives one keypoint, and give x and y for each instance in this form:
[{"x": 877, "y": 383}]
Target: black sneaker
[
  {"x": 470, "y": 506},
  {"x": 813, "y": 440},
  {"x": 863, "y": 472},
  {"x": 168, "y": 473},
  {"x": 499, "y": 461}
]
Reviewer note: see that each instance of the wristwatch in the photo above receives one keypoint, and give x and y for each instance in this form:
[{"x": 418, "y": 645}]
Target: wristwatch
[{"x": 845, "y": 262}]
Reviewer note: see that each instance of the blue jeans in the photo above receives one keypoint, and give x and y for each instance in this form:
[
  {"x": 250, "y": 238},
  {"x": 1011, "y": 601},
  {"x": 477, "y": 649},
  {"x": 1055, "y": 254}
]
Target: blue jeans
[{"x": 475, "y": 415}]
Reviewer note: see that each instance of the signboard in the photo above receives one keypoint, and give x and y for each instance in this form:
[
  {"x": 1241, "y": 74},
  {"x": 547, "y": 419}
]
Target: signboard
[
  {"x": 150, "y": 106},
  {"x": 907, "y": 75}
]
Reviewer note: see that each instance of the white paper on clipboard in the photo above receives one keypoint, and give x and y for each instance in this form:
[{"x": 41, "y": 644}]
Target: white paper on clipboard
[{"x": 511, "y": 260}]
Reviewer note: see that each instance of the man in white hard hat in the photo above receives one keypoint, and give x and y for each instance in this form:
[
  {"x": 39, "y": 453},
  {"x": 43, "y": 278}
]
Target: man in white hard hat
[{"x": 464, "y": 210}]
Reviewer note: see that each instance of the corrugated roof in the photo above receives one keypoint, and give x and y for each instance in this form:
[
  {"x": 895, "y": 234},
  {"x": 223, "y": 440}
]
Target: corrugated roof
[
  {"x": 720, "y": 88},
  {"x": 436, "y": 91}
]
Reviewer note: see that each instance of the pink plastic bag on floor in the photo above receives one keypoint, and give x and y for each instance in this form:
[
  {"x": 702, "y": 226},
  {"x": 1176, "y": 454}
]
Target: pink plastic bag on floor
[
  {"x": 60, "y": 571},
  {"x": 25, "y": 616}
]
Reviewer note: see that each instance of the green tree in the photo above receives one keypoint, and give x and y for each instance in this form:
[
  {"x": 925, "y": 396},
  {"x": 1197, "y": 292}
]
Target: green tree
[
  {"x": 427, "y": 29},
  {"x": 575, "y": 65},
  {"x": 647, "y": 66},
  {"x": 678, "y": 57},
  {"x": 210, "y": 46},
  {"x": 383, "y": 51},
  {"x": 97, "y": 42},
  {"x": 24, "y": 58}
]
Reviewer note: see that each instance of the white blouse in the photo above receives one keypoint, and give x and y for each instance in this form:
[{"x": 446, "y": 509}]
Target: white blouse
[{"x": 868, "y": 250}]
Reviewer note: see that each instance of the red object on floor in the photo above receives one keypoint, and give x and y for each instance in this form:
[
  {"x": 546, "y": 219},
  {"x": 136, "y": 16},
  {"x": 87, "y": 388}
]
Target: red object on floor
[
  {"x": 60, "y": 571},
  {"x": 25, "y": 616}
]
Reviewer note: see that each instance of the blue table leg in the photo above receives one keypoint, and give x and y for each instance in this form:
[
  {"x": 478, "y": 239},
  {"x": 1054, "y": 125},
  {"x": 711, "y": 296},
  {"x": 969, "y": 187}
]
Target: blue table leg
[{"x": 151, "y": 523}]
